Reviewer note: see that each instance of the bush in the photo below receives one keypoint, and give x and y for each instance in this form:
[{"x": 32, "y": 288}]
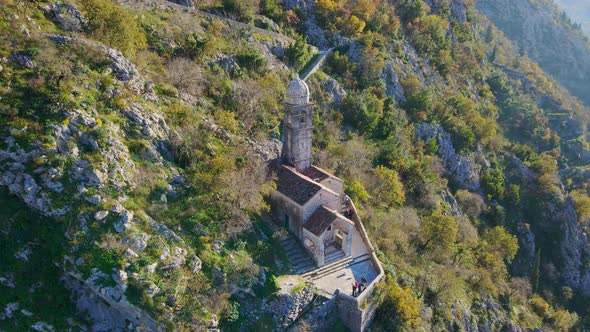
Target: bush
[
  {"x": 406, "y": 307},
  {"x": 493, "y": 180},
  {"x": 244, "y": 10},
  {"x": 298, "y": 53},
  {"x": 356, "y": 190},
  {"x": 114, "y": 26},
  {"x": 362, "y": 110},
  {"x": 391, "y": 191},
  {"x": 251, "y": 60}
]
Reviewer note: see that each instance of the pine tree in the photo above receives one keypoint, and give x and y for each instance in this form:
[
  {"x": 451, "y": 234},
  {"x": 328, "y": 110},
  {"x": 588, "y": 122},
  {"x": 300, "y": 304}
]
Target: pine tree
[{"x": 535, "y": 274}]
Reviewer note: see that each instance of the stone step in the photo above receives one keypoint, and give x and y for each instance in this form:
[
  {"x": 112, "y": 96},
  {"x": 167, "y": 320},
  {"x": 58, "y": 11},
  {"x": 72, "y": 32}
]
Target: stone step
[
  {"x": 306, "y": 268},
  {"x": 333, "y": 258},
  {"x": 300, "y": 260},
  {"x": 303, "y": 263},
  {"x": 294, "y": 251},
  {"x": 334, "y": 266},
  {"x": 346, "y": 263}
]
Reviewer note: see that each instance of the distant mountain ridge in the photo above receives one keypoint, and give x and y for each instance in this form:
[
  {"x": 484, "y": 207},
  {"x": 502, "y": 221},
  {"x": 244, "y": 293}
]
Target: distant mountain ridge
[
  {"x": 538, "y": 28},
  {"x": 578, "y": 10}
]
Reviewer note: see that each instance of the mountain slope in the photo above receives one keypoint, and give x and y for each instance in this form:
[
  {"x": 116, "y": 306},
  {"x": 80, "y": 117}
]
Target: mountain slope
[
  {"x": 578, "y": 10},
  {"x": 539, "y": 30},
  {"x": 141, "y": 131}
]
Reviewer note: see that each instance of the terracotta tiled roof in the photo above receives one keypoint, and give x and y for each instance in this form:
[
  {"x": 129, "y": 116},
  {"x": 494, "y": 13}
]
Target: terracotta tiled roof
[
  {"x": 320, "y": 220},
  {"x": 296, "y": 187}
]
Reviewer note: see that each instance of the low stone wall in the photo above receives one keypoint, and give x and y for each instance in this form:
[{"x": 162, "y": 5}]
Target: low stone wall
[
  {"x": 348, "y": 308},
  {"x": 363, "y": 232}
]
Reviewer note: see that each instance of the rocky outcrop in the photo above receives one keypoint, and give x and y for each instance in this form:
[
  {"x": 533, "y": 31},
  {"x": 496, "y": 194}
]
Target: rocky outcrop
[
  {"x": 525, "y": 257},
  {"x": 124, "y": 70},
  {"x": 334, "y": 89},
  {"x": 67, "y": 17},
  {"x": 485, "y": 315},
  {"x": 575, "y": 248},
  {"x": 289, "y": 302},
  {"x": 107, "y": 307},
  {"x": 392, "y": 84},
  {"x": 462, "y": 170},
  {"x": 268, "y": 150},
  {"x": 187, "y": 3}
]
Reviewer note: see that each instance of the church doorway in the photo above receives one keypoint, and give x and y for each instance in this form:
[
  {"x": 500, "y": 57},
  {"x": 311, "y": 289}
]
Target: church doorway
[{"x": 287, "y": 221}]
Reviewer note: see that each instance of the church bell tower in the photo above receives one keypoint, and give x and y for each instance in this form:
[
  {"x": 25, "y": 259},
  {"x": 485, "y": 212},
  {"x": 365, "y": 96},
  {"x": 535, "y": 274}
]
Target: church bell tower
[{"x": 297, "y": 126}]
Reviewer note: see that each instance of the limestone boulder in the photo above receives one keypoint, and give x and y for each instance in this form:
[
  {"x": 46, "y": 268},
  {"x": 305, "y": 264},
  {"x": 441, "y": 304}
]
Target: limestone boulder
[{"x": 67, "y": 17}]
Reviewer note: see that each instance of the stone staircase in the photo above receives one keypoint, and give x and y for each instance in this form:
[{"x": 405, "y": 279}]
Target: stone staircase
[
  {"x": 332, "y": 254},
  {"x": 335, "y": 266},
  {"x": 299, "y": 259}
]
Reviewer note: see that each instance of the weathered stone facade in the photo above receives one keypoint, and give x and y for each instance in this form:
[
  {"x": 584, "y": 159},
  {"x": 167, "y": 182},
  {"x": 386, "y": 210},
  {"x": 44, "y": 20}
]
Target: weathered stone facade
[
  {"x": 298, "y": 126},
  {"x": 309, "y": 202}
]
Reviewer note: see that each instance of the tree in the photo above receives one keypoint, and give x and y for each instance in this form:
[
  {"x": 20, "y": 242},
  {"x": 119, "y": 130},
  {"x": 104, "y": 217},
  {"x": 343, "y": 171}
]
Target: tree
[
  {"x": 471, "y": 204},
  {"x": 581, "y": 204},
  {"x": 185, "y": 75},
  {"x": 406, "y": 307},
  {"x": 535, "y": 276},
  {"x": 114, "y": 26},
  {"x": 438, "y": 231},
  {"x": 493, "y": 180},
  {"x": 356, "y": 190},
  {"x": 512, "y": 194},
  {"x": 363, "y": 110},
  {"x": 501, "y": 243},
  {"x": 250, "y": 59},
  {"x": 244, "y": 10},
  {"x": 391, "y": 192},
  {"x": 298, "y": 53}
]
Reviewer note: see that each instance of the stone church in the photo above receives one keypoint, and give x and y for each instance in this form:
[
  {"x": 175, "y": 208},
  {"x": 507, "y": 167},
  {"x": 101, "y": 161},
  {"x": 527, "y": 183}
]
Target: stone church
[{"x": 308, "y": 200}]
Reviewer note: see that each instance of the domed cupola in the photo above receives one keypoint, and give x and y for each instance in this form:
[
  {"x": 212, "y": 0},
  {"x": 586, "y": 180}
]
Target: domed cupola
[{"x": 297, "y": 92}]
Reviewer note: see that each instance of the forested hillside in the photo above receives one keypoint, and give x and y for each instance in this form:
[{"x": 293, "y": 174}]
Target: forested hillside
[
  {"x": 546, "y": 34},
  {"x": 579, "y": 11},
  {"x": 134, "y": 137}
]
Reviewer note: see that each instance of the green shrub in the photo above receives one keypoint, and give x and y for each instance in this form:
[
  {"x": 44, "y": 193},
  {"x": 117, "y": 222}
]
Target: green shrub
[
  {"x": 114, "y": 26},
  {"x": 251, "y": 60}
]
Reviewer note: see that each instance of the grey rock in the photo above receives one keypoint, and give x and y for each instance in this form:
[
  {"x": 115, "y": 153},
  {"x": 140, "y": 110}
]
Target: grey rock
[
  {"x": 392, "y": 84},
  {"x": 151, "y": 268},
  {"x": 124, "y": 222},
  {"x": 217, "y": 246},
  {"x": 461, "y": 169},
  {"x": 120, "y": 278},
  {"x": 187, "y": 3},
  {"x": 23, "y": 59},
  {"x": 130, "y": 254},
  {"x": 178, "y": 259},
  {"x": 67, "y": 17},
  {"x": 137, "y": 242},
  {"x": 165, "y": 231},
  {"x": 336, "y": 91},
  {"x": 268, "y": 150},
  {"x": 266, "y": 23},
  {"x": 42, "y": 327},
  {"x": 100, "y": 215},
  {"x": 94, "y": 199},
  {"x": 194, "y": 263},
  {"x": 220, "y": 277},
  {"x": 575, "y": 246},
  {"x": 228, "y": 63},
  {"x": 152, "y": 290}
]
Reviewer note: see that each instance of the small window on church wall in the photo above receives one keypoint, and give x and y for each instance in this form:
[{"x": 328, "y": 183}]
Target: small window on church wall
[{"x": 330, "y": 228}]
